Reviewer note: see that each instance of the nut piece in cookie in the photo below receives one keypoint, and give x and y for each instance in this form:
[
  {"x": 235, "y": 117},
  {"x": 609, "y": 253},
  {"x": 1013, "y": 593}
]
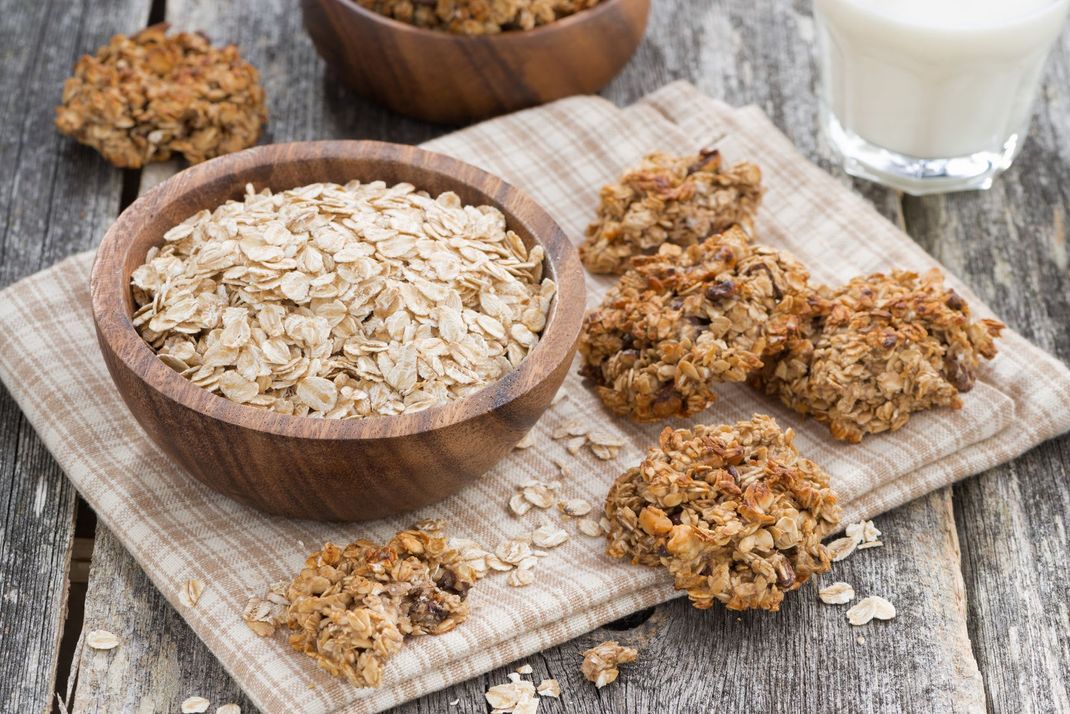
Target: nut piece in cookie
[
  {"x": 351, "y": 608},
  {"x": 882, "y": 347},
  {"x": 732, "y": 511},
  {"x": 601, "y": 662},
  {"x": 146, "y": 97},
  {"x": 682, "y": 321},
  {"x": 669, "y": 199}
]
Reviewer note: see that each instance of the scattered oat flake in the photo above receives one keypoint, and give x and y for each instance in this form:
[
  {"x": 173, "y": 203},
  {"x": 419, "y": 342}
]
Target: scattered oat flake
[
  {"x": 513, "y": 551},
  {"x": 549, "y": 688},
  {"x": 561, "y": 394},
  {"x": 841, "y": 548},
  {"x": 837, "y": 593},
  {"x": 514, "y": 697},
  {"x": 589, "y": 528},
  {"x": 574, "y": 444},
  {"x": 524, "y": 669},
  {"x": 228, "y": 709},
  {"x": 454, "y": 702},
  {"x": 191, "y": 592},
  {"x": 101, "y": 640},
  {"x": 519, "y": 504},
  {"x": 601, "y": 661},
  {"x": 870, "y": 544},
  {"x": 570, "y": 427},
  {"x": 195, "y": 705},
  {"x": 496, "y": 563},
  {"x": 863, "y": 532},
  {"x": 260, "y": 615},
  {"x": 861, "y": 639},
  {"x": 605, "y": 453},
  {"x": 521, "y": 577},
  {"x": 539, "y": 494},
  {"x": 575, "y": 507},
  {"x": 527, "y": 442},
  {"x": 869, "y": 608},
  {"x": 603, "y": 439},
  {"x": 549, "y": 536}
]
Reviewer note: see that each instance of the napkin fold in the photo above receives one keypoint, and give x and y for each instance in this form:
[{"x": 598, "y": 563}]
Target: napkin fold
[{"x": 561, "y": 154}]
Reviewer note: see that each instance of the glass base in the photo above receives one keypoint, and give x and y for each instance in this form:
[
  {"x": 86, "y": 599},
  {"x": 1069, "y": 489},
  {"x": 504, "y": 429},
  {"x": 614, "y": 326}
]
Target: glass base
[{"x": 915, "y": 176}]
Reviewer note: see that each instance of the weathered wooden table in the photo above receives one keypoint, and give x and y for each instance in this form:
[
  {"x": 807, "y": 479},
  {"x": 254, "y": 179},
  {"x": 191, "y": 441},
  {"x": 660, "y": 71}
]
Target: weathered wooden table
[{"x": 978, "y": 571}]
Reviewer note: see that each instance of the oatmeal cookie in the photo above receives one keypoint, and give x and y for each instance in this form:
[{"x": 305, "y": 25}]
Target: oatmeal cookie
[
  {"x": 477, "y": 17},
  {"x": 351, "y": 608},
  {"x": 146, "y": 97},
  {"x": 733, "y": 512},
  {"x": 878, "y": 349},
  {"x": 680, "y": 322},
  {"x": 669, "y": 199}
]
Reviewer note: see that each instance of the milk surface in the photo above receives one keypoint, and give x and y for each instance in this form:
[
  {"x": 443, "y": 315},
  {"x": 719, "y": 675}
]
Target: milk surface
[
  {"x": 954, "y": 14},
  {"x": 935, "y": 78}
]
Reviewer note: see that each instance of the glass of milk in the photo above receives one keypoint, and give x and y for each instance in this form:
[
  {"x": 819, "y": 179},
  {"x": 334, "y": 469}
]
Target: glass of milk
[{"x": 932, "y": 95}]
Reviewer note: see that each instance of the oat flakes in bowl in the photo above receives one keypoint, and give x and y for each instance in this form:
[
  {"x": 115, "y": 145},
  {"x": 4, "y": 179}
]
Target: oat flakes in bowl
[
  {"x": 384, "y": 462},
  {"x": 343, "y": 301}
]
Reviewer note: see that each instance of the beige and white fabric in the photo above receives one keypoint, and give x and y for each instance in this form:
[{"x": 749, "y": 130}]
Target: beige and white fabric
[{"x": 561, "y": 154}]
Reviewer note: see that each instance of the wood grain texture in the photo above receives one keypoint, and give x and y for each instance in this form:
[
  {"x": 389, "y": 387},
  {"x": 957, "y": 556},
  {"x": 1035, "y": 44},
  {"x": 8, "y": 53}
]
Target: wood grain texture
[
  {"x": 158, "y": 662},
  {"x": 441, "y": 77},
  {"x": 56, "y": 198},
  {"x": 353, "y": 469},
  {"x": 1012, "y": 522}
]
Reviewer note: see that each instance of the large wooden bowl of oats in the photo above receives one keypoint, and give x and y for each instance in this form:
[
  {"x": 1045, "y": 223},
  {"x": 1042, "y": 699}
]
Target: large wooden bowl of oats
[
  {"x": 466, "y": 60},
  {"x": 337, "y": 330}
]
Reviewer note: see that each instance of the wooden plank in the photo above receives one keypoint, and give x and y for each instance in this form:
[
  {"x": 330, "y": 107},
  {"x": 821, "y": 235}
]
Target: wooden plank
[
  {"x": 1013, "y": 519},
  {"x": 159, "y": 662},
  {"x": 57, "y": 199}
]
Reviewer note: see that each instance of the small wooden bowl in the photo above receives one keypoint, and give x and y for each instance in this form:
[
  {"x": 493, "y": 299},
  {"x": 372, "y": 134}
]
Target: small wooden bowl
[
  {"x": 442, "y": 77},
  {"x": 317, "y": 468}
]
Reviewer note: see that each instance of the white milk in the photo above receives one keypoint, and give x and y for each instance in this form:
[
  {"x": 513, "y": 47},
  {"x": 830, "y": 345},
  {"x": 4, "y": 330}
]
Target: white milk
[{"x": 935, "y": 78}]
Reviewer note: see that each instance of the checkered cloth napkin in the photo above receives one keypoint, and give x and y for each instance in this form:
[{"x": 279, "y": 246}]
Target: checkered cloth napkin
[{"x": 561, "y": 154}]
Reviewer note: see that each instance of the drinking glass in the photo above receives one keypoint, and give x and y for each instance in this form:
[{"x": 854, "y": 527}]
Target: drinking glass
[{"x": 930, "y": 96}]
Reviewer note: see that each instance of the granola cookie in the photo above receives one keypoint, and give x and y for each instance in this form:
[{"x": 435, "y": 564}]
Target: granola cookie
[
  {"x": 146, "y": 97},
  {"x": 477, "y": 17},
  {"x": 669, "y": 199},
  {"x": 733, "y": 512},
  {"x": 351, "y": 608},
  {"x": 880, "y": 348},
  {"x": 680, "y": 322}
]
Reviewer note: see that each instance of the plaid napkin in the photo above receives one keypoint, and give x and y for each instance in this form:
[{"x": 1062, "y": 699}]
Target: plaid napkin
[{"x": 561, "y": 154}]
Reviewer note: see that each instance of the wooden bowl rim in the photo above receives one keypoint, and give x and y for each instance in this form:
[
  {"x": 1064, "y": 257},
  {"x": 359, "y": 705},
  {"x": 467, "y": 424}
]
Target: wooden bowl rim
[
  {"x": 561, "y": 25},
  {"x": 116, "y": 328}
]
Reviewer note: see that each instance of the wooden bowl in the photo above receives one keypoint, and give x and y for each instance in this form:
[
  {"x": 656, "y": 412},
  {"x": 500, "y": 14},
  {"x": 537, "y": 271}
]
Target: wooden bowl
[
  {"x": 442, "y": 77},
  {"x": 319, "y": 468}
]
